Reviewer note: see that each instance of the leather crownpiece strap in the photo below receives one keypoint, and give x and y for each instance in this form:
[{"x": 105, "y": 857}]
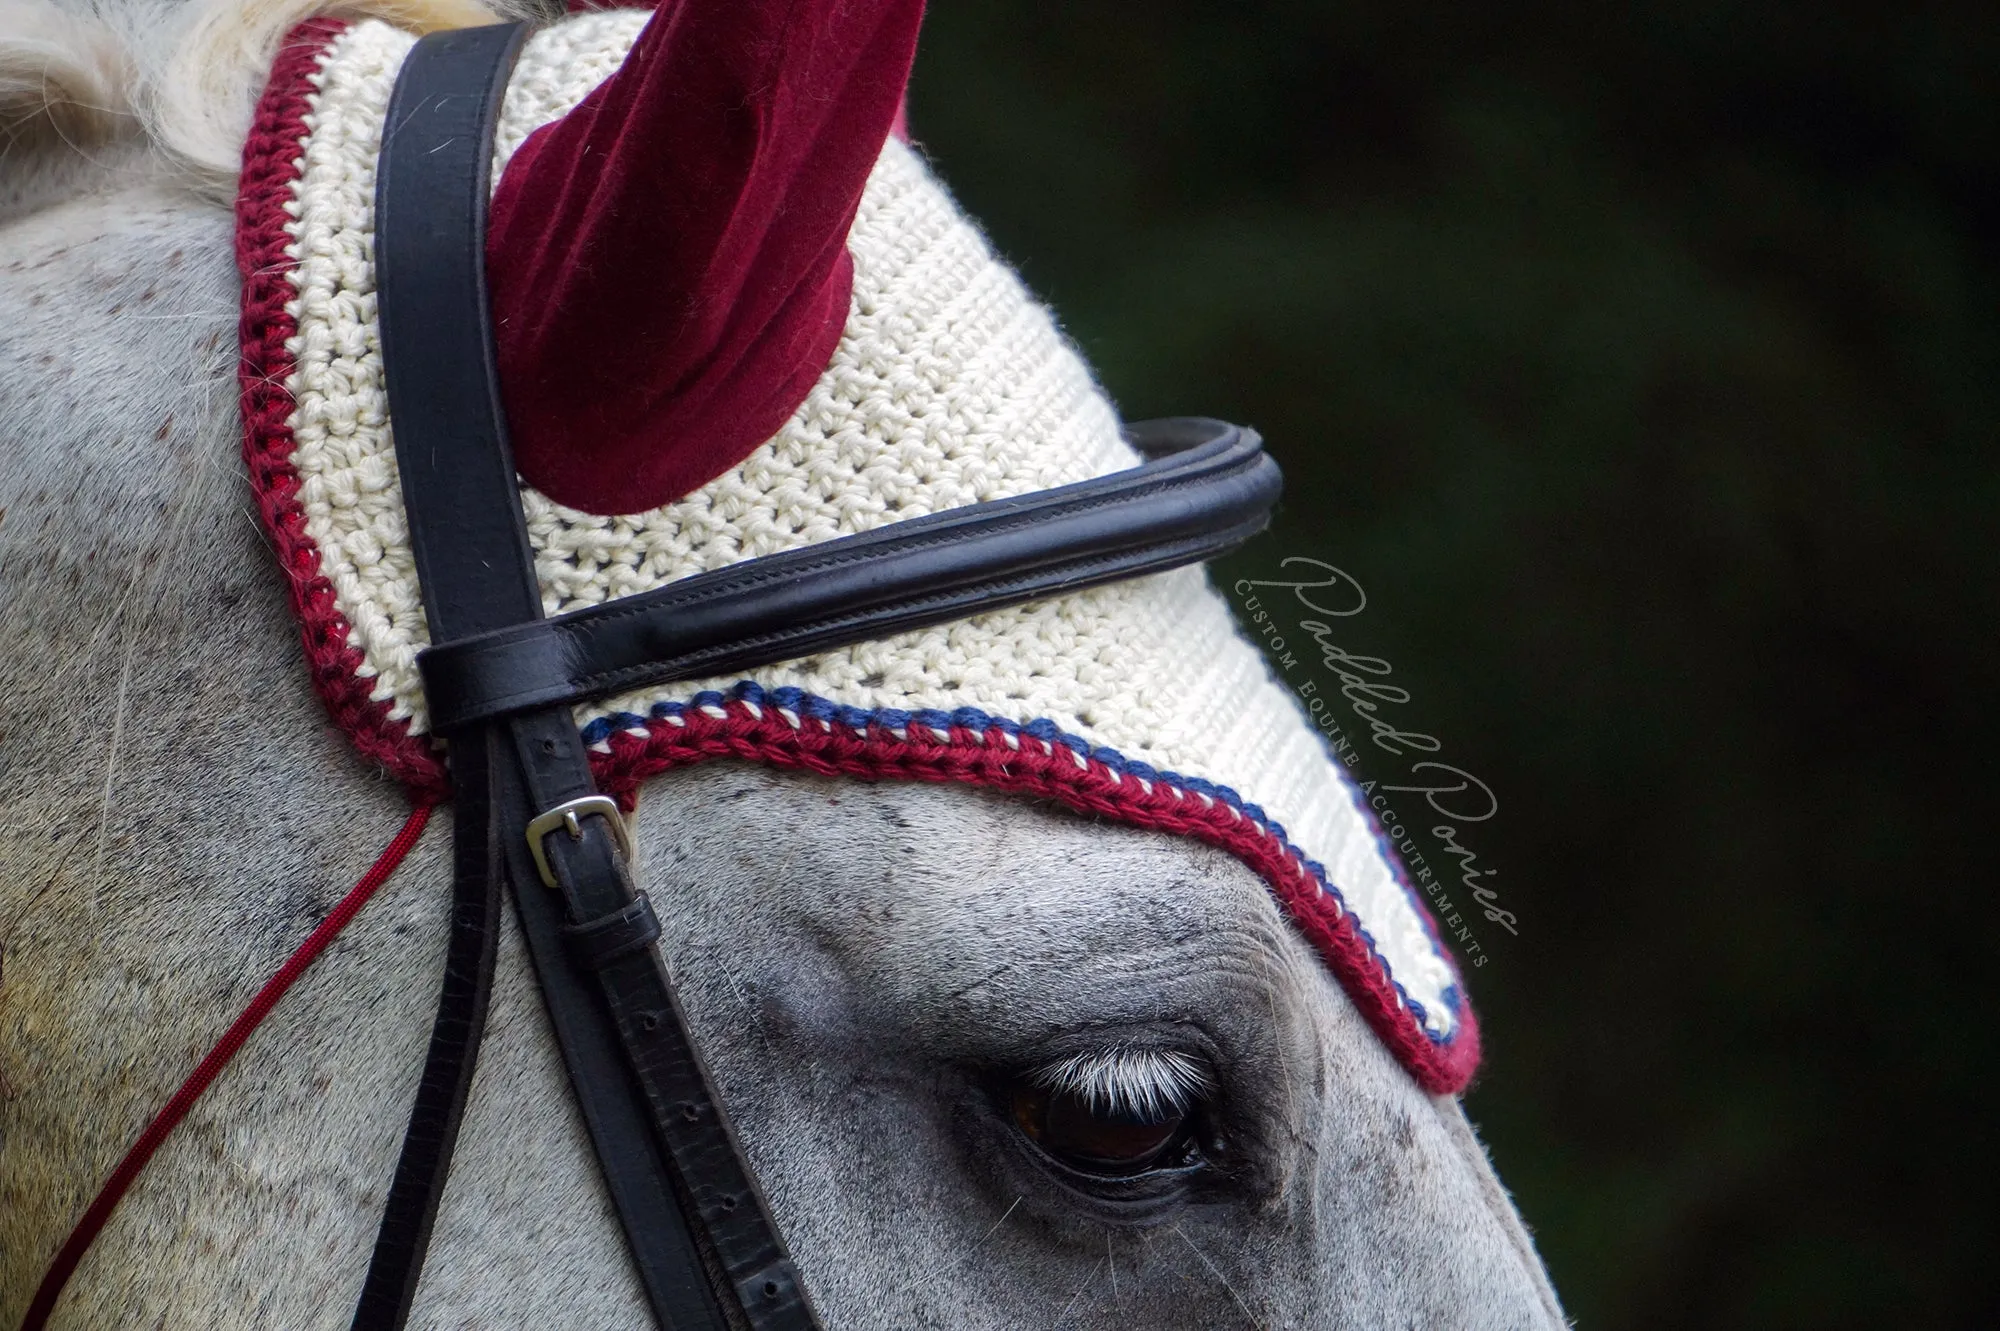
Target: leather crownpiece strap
[
  {"x": 431, "y": 216},
  {"x": 688, "y": 1204},
  {"x": 501, "y": 682}
]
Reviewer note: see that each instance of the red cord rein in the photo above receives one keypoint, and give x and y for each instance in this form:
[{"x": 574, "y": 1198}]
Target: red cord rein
[{"x": 115, "y": 1187}]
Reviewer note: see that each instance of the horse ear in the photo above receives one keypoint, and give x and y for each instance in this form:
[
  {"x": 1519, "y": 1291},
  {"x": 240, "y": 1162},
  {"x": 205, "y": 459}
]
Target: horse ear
[{"x": 668, "y": 263}]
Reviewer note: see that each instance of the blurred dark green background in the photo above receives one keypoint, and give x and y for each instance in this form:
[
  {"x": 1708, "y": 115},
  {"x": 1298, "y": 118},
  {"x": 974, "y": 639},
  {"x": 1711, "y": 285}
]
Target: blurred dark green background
[{"x": 1641, "y": 361}]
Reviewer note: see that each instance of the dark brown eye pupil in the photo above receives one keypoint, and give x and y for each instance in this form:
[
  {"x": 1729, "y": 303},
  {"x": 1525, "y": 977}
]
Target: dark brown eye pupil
[{"x": 1093, "y": 1137}]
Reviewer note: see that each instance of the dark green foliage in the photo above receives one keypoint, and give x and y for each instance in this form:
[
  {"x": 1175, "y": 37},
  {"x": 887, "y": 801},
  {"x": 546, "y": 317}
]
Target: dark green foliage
[{"x": 1642, "y": 362}]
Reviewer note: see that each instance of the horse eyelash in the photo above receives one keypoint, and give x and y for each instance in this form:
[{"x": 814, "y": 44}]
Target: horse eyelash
[{"x": 1152, "y": 1083}]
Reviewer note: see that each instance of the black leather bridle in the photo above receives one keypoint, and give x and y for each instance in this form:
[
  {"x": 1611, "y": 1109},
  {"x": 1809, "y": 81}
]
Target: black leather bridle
[{"x": 500, "y": 681}]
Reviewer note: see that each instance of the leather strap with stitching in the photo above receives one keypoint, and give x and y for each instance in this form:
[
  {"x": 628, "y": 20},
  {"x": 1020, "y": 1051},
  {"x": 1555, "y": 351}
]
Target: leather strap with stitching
[
  {"x": 461, "y": 79},
  {"x": 1209, "y": 488},
  {"x": 652, "y": 1117}
]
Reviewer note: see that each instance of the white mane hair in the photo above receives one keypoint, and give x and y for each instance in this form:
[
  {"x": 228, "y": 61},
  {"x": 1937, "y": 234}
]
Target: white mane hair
[{"x": 77, "y": 75}]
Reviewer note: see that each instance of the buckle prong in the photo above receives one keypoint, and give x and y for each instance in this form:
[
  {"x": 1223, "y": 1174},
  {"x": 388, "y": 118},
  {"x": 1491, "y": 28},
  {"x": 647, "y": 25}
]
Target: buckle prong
[{"x": 565, "y": 816}]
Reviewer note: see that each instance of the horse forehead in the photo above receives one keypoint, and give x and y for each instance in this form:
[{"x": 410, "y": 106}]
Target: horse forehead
[{"x": 933, "y": 885}]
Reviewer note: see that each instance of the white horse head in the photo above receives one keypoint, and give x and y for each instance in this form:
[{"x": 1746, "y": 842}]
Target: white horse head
[{"x": 941, "y": 1015}]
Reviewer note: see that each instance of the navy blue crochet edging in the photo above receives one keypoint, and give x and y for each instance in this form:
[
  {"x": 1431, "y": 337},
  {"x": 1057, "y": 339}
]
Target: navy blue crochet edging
[{"x": 597, "y": 734}]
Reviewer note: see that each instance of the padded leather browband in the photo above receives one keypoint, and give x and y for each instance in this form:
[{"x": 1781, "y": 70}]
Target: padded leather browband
[
  {"x": 501, "y": 682},
  {"x": 1209, "y": 488}
]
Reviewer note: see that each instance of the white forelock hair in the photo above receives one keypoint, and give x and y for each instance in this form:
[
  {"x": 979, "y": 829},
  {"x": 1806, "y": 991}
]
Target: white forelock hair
[{"x": 185, "y": 74}]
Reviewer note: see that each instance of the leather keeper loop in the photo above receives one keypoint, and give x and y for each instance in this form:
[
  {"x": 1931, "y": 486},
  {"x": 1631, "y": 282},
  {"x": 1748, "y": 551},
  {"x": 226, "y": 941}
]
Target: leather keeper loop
[
  {"x": 475, "y": 680},
  {"x": 597, "y": 943}
]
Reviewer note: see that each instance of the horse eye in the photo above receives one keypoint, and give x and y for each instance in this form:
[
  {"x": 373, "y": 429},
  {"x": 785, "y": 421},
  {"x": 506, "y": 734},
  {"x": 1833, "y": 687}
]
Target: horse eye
[{"x": 1098, "y": 1139}]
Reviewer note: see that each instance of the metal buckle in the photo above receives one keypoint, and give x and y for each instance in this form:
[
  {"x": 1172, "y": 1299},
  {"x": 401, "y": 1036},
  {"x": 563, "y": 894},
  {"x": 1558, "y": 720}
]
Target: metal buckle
[{"x": 564, "y": 815}]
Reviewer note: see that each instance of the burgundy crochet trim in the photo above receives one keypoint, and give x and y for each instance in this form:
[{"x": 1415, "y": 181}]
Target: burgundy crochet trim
[{"x": 271, "y": 166}]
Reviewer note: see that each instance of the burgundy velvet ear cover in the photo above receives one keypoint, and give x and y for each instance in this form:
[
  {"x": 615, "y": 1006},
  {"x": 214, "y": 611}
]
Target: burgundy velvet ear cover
[{"x": 668, "y": 263}]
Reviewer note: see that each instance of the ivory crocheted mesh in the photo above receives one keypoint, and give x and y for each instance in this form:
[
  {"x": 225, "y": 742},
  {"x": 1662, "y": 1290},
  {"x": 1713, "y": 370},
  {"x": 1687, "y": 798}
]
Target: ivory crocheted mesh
[{"x": 950, "y": 386}]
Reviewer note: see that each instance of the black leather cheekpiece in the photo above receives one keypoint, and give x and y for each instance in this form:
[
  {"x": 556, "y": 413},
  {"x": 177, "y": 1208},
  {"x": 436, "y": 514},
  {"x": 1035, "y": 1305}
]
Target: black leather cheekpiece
[{"x": 665, "y": 1147}]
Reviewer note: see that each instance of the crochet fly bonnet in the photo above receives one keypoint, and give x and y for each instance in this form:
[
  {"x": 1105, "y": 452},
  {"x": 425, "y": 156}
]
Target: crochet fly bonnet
[{"x": 724, "y": 334}]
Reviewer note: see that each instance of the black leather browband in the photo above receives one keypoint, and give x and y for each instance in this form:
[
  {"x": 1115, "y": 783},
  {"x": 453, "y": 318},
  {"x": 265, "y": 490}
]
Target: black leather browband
[
  {"x": 501, "y": 682},
  {"x": 1209, "y": 489}
]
